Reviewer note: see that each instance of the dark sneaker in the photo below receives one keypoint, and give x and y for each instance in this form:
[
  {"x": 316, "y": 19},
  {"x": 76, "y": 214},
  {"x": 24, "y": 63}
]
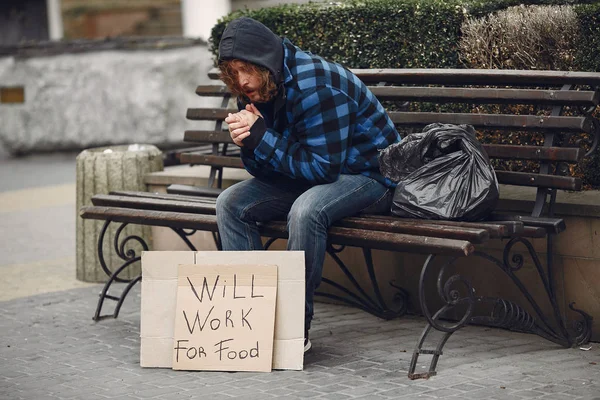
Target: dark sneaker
[{"x": 307, "y": 345}]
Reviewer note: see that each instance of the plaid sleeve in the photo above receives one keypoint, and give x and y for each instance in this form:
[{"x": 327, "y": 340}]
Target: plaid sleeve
[{"x": 314, "y": 147}]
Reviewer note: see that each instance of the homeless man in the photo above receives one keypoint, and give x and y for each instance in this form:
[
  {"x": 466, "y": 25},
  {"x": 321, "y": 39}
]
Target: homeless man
[{"x": 309, "y": 132}]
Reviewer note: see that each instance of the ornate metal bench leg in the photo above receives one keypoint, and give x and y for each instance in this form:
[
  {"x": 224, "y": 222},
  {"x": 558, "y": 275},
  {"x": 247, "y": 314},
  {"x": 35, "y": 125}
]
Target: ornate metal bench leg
[
  {"x": 451, "y": 296},
  {"x": 499, "y": 312},
  {"x": 129, "y": 257},
  {"x": 436, "y": 353},
  {"x": 104, "y": 294},
  {"x": 124, "y": 294}
]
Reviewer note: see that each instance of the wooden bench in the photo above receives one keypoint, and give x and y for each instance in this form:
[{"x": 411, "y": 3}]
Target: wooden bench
[{"x": 560, "y": 105}]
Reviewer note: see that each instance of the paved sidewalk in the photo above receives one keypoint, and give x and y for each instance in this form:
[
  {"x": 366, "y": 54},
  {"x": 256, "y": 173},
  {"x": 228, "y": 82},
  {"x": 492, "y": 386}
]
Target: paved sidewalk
[{"x": 51, "y": 349}]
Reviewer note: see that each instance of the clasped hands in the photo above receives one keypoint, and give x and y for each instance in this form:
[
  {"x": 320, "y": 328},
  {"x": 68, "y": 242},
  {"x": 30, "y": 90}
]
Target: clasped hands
[{"x": 241, "y": 122}]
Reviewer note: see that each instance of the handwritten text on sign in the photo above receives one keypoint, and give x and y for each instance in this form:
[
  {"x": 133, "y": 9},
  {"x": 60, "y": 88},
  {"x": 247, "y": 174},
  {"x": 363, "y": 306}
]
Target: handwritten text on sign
[{"x": 225, "y": 317}]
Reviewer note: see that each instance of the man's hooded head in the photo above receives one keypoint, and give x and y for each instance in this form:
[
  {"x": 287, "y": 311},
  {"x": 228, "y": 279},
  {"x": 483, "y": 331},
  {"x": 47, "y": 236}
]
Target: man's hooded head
[{"x": 248, "y": 40}]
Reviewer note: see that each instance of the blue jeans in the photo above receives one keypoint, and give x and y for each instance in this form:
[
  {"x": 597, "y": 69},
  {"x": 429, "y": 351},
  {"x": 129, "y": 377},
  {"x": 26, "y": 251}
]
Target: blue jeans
[{"x": 310, "y": 211}]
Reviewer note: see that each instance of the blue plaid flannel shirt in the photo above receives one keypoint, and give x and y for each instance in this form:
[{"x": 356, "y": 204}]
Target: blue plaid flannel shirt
[{"x": 332, "y": 125}]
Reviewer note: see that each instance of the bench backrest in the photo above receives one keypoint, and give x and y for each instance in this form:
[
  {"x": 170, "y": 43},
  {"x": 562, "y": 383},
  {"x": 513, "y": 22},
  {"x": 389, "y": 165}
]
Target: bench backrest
[{"x": 557, "y": 106}]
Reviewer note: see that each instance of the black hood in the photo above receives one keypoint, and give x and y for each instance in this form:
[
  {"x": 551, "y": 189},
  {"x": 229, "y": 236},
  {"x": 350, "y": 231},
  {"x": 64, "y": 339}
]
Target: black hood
[{"x": 248, "y": 40}]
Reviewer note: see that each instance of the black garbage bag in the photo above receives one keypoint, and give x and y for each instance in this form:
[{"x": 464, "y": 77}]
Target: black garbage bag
[{"x": 442, "y": 173}]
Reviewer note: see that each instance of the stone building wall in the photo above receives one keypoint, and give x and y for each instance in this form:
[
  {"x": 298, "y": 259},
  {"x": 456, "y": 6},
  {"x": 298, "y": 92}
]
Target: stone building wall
[{"x": 80, "y": 100}]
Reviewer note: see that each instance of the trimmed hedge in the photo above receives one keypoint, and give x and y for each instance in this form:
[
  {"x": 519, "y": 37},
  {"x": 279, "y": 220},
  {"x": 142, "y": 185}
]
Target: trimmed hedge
[
  {"x": 588, "y": 50},
  {"x": 384, "y": 33}
]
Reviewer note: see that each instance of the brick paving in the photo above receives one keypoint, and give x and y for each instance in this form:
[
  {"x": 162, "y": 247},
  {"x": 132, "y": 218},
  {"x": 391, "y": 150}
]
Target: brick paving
[{"x": 51, "y": 349}]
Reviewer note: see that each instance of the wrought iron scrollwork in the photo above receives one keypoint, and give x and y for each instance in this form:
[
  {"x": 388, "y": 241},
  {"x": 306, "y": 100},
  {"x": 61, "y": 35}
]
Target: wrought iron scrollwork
[
  {"x": 128, "y": 255},
  {"x": 583, "y": 327},
  {"x": 495, "y": 311},
  {"x": 595, "y": 132},
  {"x": 450, "y": 293},
  {"x": 184, "y": 234},
  {"x": 505, "y": 314},
  {"x": 124, "y": 248},
  {"x": 358, "y": 297}
]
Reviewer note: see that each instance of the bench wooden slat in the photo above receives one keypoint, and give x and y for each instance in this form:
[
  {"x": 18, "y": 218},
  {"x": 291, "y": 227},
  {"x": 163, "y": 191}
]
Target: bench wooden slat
[
  {"x": 338, "y": 235},
  {"x": 204, "y": 222},
  {"x": 207, "y": 136},
  {"x": 486, "y": 95},
  {"x": 472, "y": 235},
  {"x": 539, "y": 153},
  {"x": 172, "y": 205},
  {"x": 188, "y": 190},
  {"x": 469, "y": 76},
  {"x": 383, "y": 240},
  {"x": 212, "y": 90},
  {"x": 215, "y": 161},
  {"x": 568, "y": 154},
  {"x": 494, "y": 121},
  {"x": 472, "y": 95},
  {"x": 149, "y": 195},
  {"x": 505, "y": 177},
  {"x": 534, "y": 232},
  {"x": 538, "y": 180},
  {"x": 507, "y": 224},
  {"x": 478, "y": 77},
  {"x": 554, "y": 225},
  {"x": 495, "y": 229},
  {"x": 209, "y": 114}
]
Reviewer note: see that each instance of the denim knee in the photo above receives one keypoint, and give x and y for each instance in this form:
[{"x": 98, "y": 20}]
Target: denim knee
[
  {"x": 304, "y": 216},
  {"x": 227, "y": 206}
]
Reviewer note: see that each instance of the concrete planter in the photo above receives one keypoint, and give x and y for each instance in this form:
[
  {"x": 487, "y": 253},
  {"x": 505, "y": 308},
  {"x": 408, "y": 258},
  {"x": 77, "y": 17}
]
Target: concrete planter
[{"x": 102, "y": 170}]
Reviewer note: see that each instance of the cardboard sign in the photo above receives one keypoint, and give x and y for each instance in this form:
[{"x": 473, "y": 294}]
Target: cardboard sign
[
  {"x": 159, "y": 298},
  {"x": 225, "y": 317}
]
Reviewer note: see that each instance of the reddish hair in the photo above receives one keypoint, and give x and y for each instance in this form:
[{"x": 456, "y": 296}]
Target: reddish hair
[{"x": 267, "y": 87}]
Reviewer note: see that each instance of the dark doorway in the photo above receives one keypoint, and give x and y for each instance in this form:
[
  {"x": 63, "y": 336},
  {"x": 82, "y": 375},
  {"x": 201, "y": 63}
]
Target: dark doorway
[{"x": 22, "y": 20}]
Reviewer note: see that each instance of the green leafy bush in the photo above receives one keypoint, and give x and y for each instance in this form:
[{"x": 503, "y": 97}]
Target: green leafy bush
[
  {"x": 588, "y": 47},
  {"x": 374, "y": 34}
]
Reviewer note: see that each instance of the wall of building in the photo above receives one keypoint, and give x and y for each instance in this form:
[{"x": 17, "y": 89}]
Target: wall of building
[
  {"x": 101, "y": 18},
  {"x": 81, "y": 100}
]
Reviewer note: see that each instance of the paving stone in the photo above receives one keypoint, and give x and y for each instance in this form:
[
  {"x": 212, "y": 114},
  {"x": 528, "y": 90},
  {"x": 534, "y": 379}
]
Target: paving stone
[
  {"x": 442, "y": 393},
  {"x": 558, "y": 396},
  {"x": 529, "y": 394},
  {"x": 585, "y": 391},
  {"x": 256, "y": 396}
]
